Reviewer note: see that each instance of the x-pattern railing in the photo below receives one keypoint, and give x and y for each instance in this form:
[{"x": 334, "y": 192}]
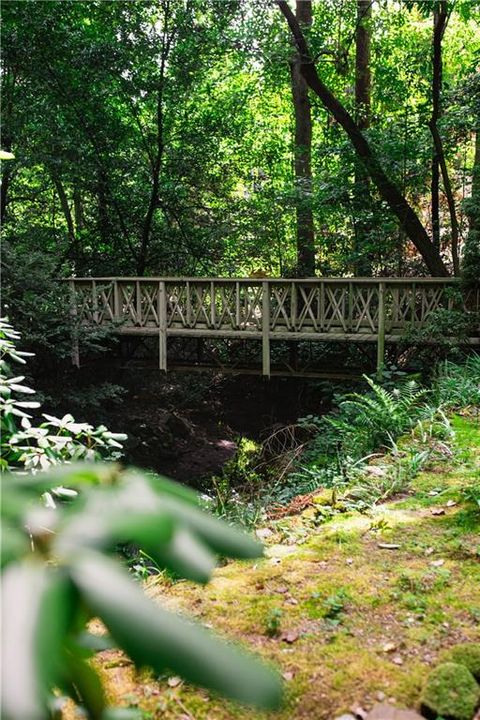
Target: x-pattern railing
[{"x": 378, "y": 309}]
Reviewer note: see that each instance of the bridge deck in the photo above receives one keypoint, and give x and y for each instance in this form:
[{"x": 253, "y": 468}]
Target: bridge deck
[{"x": 377, "y": 310}]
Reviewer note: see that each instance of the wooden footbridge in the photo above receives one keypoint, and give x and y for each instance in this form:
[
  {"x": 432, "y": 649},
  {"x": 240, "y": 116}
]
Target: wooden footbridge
[{"x": 359, "y": 310}]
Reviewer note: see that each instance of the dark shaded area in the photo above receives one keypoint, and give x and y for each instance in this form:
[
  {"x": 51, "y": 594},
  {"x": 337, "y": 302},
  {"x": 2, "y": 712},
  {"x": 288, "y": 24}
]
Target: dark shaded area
[{"x": 185, "y": 425}]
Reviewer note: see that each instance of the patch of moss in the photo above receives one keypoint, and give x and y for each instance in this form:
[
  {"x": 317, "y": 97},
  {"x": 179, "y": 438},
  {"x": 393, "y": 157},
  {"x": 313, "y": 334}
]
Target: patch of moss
[
  {"x": 450, "y": 692},
  {"x": 467, "y": 654}
]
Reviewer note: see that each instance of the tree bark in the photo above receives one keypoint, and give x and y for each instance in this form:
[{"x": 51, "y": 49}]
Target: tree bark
[
  {"x": 440, "y": 19},
  {"x": 303, "y": 155},
  {"x": 361, "y": 191},
  {"x": 386, "y": 188},
  {"x": 471, "y": 256},
  {"x": 157, "y": 155},
  {"x": 67, "y": 213}
]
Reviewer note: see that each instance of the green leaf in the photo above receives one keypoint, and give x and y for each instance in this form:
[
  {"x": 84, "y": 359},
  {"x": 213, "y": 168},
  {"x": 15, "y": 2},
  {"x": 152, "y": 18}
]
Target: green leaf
[
  {"x": 214, "y": 533},
  {"x": 13, "y": 544},
  {"x": 155, "y": 638},
  {"x": 87, "y": 684},
  {"x": 185, "y": 555},
  {"x": 36, "y": 607},
  {"x": 159, "y": 483}
]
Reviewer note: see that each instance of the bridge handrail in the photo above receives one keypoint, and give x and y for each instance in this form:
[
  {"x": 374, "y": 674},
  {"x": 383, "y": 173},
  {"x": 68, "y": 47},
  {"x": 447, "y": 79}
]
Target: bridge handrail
[{"x": 366, "y": 309}]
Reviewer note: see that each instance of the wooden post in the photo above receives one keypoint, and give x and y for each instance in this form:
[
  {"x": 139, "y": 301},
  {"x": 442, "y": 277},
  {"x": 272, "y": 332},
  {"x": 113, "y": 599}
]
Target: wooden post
[
  {"x": 117, "y": 306},
  {"x": 237, "y": 305},
  {"x": 74, "y": 316},
  {"x": 162, "y": 326},
  {"x": 188, "y": 305},
  {"x": 381, "y": 331},
  {"x": 266, "y": 329},
  {"x": 94, "y": 302},
  {"x": 293, "y": 306},
  {"x": 213, "y": 309},
  {"x": 322, "y": 305},
  {"x": 138, "y": 304},
  {"x": 350, "y": 306}
]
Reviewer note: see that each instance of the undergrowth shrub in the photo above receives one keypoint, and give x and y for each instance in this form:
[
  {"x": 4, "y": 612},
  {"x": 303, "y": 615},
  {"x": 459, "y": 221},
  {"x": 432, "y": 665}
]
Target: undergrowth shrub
[
  {"x": 458, "y": 386},
  {"x": 367, "y": 425},
  {"x": 28, "y": 446}
]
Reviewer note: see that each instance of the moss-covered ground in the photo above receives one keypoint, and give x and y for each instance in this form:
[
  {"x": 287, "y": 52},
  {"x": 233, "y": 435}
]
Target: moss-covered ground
[{"x": 347, "y": 620}]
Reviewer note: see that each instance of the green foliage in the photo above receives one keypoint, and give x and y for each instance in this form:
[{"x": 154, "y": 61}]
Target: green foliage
[
  {"x": 104, "y": 86},
  {"x": 371, "y": 421},
  {"x": 458, "y": 385},
  {"x": 30, "y": 447},
  {"x": 273, "y": 623},
  {"x": 346, "y": 441},
  {"x": 73, "y": 575},
  {"x": 450, "y": 692}
]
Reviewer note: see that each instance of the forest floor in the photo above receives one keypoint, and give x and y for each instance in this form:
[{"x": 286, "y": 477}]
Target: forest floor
[{"x": 354, "y": 611}]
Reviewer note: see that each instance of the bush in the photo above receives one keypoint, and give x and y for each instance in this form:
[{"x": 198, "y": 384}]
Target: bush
[
  {"x": 458, "y": 386},
  {"x": 370, "y": 421},
  {"x": 26, "y": 446},
  {"x": 73, "y": 575}
]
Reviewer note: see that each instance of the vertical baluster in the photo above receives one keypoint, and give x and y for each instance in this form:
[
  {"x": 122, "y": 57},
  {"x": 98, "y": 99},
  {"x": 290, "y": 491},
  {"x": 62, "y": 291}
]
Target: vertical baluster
[
  {"x": 213, "y": 309},
  {"x": 162, "y": 325},
  {"x": 94, "y": 302},
  {"x": 381, "y": 330},
  {"x": 293, "y": 306},
  {"x": 413, "y": 300},
  {"x": 138, "y": 304},
  {"x": 322, "y": 306},
  {"x": 189, "y": 304},
  {"x": 74, "y": 316},
  {"x": 350, "y": 305},
  {"x": 117, "y": 308},
  {"x": 237, "y": 305},
  {"x": 265, "y": 329}
]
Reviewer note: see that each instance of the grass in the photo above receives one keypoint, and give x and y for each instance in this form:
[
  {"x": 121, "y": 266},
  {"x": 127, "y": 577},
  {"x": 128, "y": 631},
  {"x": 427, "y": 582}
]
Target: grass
[{"x": 345, "y": 620}]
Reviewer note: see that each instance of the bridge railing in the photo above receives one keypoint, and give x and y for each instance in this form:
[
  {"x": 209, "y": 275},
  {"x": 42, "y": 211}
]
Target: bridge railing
[{"x": 366, "y": 309}]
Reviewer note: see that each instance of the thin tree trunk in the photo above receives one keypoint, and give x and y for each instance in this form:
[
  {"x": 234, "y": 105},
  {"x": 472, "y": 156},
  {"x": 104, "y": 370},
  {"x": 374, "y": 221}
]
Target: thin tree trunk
[
  {"x": 156, "y": 167},
  {"x": 78, "y": 210},
  {"x": 6, "y": 176},
  {"x": 303, "y": 155},
  {"x": 67, "y": 213},
  {"x": 438, "y": 160},
  {"x": 439, "y": 18},
  {"x": 386, "y": 188},
  {"x": 361, "y": 191},
  {"x": 471, "y": 256}
]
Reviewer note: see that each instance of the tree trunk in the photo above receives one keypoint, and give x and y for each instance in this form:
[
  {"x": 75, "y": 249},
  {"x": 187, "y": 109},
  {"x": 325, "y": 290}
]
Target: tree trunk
[
  {"x": 361, "y": 191},
  {"x": 386, "y": 188},
  {"x": 438, "y": 23},
  {"x": 67, "y": 213},
  {"x": 471, "y": 256},
  {"x": 303, "y": 155},
  {"x": 78, "y": 210},
  {"x": 440, "y": 19},
  {"x": 157, "y": 155}
]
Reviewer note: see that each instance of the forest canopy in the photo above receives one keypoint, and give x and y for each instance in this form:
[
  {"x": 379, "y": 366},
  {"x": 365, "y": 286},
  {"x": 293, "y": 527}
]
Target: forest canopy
[{"x": 187, "y": 137}]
